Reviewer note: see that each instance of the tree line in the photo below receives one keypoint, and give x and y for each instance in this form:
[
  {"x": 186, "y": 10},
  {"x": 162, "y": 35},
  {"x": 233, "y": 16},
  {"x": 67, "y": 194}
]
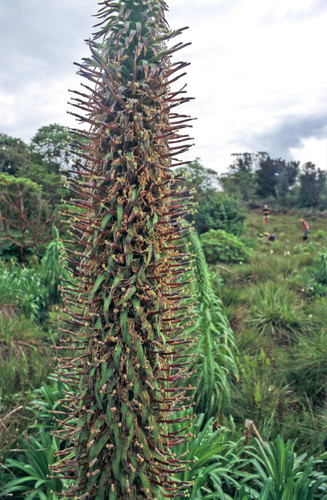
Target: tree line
[
  {"x": 256, "y": 177},
  {"x": 32, "y": 182},
  {"x": 32, "y": 186}
]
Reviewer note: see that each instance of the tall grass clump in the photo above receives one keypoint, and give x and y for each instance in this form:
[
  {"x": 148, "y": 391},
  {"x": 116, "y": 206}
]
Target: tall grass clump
[
  {"x": 260, "y": 394},
  {"x": 25, "y": 361},
  {"x": 308, "y": 365},
  {"x": 277, "y": 312},
  {"x": 131, "y": 321},
  {"x": 285, "y": 474},
  {"x": 31, "y": 469},
  {"x": 320, "y": 268}
]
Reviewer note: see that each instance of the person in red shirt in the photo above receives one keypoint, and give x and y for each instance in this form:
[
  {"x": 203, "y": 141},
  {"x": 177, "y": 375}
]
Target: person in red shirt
[{"x": 305, "y": 229}]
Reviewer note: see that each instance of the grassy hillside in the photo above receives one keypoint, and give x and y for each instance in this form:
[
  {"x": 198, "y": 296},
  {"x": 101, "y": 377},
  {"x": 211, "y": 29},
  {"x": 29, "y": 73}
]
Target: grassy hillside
[{"x": 276, "y": 303}]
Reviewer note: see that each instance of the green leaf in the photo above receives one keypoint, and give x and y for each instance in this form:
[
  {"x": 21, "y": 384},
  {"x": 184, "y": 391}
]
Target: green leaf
[
  {"x": 105, "y": 220},
  {"x": 97, "y": 284}
]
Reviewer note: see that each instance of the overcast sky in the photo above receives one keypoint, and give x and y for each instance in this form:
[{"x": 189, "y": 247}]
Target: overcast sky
[{"x": 258, "y": 72}]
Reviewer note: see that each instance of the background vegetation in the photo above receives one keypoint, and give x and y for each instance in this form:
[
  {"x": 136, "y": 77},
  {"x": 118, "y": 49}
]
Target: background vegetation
[{"x": 261, "y": 432}]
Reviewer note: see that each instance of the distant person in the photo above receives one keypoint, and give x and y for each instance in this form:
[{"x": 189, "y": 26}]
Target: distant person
[
  {"x": 265, "y": 212},
  {"x": 305, "y": 229}
]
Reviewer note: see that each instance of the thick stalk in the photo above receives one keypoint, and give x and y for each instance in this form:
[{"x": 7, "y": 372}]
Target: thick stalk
[{"x": 127, "y": 323}]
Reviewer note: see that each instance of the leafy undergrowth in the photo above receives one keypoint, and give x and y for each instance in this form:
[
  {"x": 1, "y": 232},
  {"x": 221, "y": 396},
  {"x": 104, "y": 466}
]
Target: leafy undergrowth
[{"x": 276, "y": 303}]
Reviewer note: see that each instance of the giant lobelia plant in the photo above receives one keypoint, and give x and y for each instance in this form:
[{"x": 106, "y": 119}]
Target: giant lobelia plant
[{"x": 127, "y": 315}]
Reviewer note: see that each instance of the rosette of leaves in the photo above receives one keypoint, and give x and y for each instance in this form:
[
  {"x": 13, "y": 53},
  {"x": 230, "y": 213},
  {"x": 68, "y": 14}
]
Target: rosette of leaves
[{"x": 128, "y": 319}]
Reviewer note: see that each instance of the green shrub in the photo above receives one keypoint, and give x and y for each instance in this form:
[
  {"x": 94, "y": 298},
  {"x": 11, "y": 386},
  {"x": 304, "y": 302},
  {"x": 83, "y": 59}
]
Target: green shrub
[
  {"x": 313, "y": 279},
  {"x": 220, "y": 246},
  {"x": 218, "y": 211},
  {"x": 319, "y": 268},
  {"x": 310, "y": 248},
  {"x": 22, "y": 288},
  {"x": 52, "y": 270},
  {"x": 320, "y": 235},
  {"x": 248, "y": 242},
  {"x": 315, "y": 289}
]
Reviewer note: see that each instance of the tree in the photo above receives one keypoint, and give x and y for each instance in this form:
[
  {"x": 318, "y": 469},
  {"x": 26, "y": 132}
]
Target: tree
[
  {"x": 50, "y": 161},
  {"x": 49, "y": 146},
  {"x": 267, "y": 176},
  {"x": 50, "y": 180},
  {"x": 128, "y": 301},
  {"x": 240, "y": 181},
  {"x": 312, "y": 186},
  {"x": 202, "y": 180},
  {"x": 275, "y": 176},
  {"x": 24, "y": 215},
  {"x": 215, "y": 210},
  {"x": 44, "y": 161},
  {"x": 14, "y": 155},
  {"x": 286, "y": 181}
]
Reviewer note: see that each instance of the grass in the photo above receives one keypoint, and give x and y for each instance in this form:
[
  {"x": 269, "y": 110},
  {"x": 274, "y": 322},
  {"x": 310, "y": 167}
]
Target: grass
[
  {"x": 276, "y": 304},
  {"x": 25, "y": 362},
  {"x": 309, "y": 365},
  {"x": 31, "y": 467},
  {"x": 24, "y": 358}
]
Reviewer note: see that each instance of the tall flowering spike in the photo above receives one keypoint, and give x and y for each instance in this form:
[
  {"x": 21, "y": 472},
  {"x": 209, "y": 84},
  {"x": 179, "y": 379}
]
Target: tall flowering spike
[{"x": 126, "y": 302}]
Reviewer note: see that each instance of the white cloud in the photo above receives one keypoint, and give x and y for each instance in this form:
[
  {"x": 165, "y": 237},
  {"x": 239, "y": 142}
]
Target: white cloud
[
  {"x": 253, "y": 68},
  {"x": 313, "y": 150},
  {"x": 256, "y": 66}
]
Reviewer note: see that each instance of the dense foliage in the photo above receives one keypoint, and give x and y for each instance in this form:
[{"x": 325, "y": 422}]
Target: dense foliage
[
  {"x": 220, "y": 246},
  {"x": 218, "y": 211},
  {"x": 24, "y": 216}
]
